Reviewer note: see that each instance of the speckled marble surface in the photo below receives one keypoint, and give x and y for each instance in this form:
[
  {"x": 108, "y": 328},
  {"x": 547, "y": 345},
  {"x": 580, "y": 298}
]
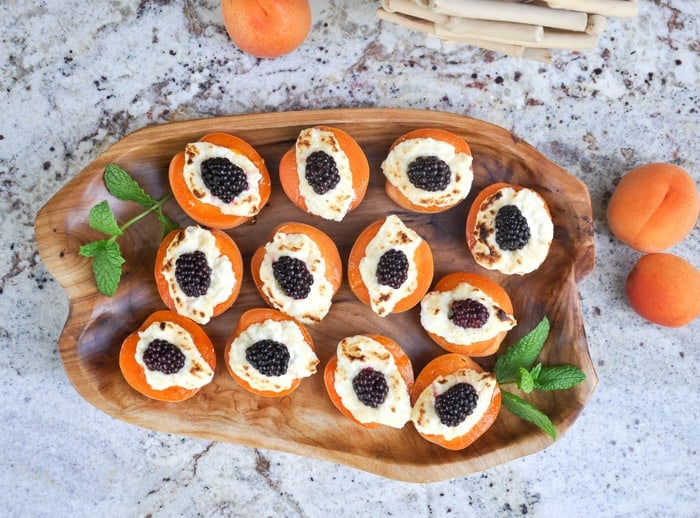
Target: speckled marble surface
[{"x": 78, "y": 76}]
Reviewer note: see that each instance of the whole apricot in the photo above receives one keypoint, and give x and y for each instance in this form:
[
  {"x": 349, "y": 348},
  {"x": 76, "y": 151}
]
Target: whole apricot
[
  {"x": 664, "y": 289},
  {"x": 654, "y": 207},
  {"x": 267, "y": 28}
]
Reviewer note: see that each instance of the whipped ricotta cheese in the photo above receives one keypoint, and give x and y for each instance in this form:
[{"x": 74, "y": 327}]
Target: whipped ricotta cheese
[
  {"x": 302, "y": 359},
  {"x": 316, "y": 305},
  {"x": 393, "y": 234},
  {"x": 247, "y": 203},
  {"x": 395, "y": 168},
  {"x": 356, "y": 353},
  {"x": 490, "y": 255},
  {"x": 194, "y": 374},
  {"x": 334, "y": 204},
  {"x": 223, "y": 279},
  {"x": 425, "y": 417},
  {"x": 436, "y": 308}
]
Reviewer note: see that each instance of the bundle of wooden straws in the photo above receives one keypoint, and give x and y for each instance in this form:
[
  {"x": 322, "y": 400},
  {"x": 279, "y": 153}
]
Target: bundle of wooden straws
[{"x": 522, "y": 28}]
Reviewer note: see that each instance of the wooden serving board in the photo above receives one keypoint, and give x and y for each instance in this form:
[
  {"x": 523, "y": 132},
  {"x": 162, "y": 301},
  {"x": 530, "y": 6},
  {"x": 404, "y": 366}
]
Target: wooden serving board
[{"x": 306, "y": 422}]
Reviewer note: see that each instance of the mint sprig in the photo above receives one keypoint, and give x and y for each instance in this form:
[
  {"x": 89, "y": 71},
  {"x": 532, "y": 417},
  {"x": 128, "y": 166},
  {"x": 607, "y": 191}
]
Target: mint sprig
[
  {"x": 517, "y": 366},
  {"x": 107, "y": 259}
]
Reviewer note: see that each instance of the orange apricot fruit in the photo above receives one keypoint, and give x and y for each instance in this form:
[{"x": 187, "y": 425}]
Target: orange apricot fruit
[
  {"x": 654, "y": 207},
  {"x": 663, "y": 288},
  {"x": 267, "y": 28}
]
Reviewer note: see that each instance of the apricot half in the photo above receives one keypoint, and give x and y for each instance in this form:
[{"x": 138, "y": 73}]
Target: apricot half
[
  {"x": 267, "y": 28},
  {"x": 654, "y": 207},
  {"x": 663, "y": 288}
]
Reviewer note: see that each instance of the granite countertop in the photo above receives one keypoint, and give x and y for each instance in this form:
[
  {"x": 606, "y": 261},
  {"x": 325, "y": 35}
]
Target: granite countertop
[{"x": 79, "y": 76}]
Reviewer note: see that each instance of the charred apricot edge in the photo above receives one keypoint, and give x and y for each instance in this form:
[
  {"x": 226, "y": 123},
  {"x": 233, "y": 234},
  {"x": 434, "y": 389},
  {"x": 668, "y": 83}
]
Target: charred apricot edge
[
  {"x": 226, "y": 245},
  {"x": 403, "y": 364},
  {"x": 258, "y": 316},
  {"x": 204, "y": 213},
  {"x": 457, "y": 142},
  {"x": 358, "y": 166},
  {"x": 493, "y": 290},
  {"x": 423, "y": 257},
  {"x": 334, "y": 266},
  {"x": 445, "y": 365},
  {"x": 135, "y": 375}
]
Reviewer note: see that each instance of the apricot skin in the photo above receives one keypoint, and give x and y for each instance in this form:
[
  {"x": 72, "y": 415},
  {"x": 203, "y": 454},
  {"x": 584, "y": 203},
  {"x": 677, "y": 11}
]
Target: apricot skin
[
  {"x": 267, "y": 28},
  {"x": 654, "y": 207},
  {"x": 663, "y": 288}
]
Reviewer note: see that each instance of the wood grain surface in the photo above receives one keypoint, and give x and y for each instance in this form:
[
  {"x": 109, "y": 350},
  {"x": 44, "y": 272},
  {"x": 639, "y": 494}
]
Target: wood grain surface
[{"x": 306, "y": 422}]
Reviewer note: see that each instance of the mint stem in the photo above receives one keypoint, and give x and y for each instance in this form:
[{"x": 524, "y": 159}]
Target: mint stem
[{"x": 152, "y": 208}]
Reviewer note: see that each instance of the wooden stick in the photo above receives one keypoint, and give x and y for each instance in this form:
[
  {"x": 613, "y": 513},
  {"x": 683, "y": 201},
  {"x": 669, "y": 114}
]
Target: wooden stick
[
  {"x": 409, "y": 22},
  {"x": 617, "y": 8},
  {"x": 596, "y": 24},
  {"x": 550, "y": 39},
  {"x": 411, "y": 8},
  {"x": 495, "y": 46},
  {"x": 541, "y": 55},
  {"x": 506, "y": 31},
  {"x": 513, "y": 12}
]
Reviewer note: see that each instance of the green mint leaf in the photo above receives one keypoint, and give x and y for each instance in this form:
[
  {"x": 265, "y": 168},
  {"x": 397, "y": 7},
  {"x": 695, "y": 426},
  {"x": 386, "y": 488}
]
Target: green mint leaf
[
  {"x": 93, "y": 248},
  {"x": 535, "y": 371},
  {"x": 123, "y": 187},
  {"x": 529, "y": 413},
  {"x": 559, "y": 377},
  {"x": 522, "y": 354},
  {"x": 102, "y": 219},
  {"x": 107, "y": 268},
  {"x": 525, "y": 380},
  {"x": 167, "y": 225}
]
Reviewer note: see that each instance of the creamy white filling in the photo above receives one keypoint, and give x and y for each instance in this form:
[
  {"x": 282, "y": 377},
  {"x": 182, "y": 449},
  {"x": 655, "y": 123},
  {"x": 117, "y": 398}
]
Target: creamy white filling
[
  {"x": 194, "y": 374},
  {"x": 359, "y": 352},
  {"x": 302, "y": 359},
  {"x": 435, "y": 311},
  {"x": 395, "y": 168},
  {"x": 223, "y": 279},
  {"x": 334, "y": 204},
  {"x": 424, "y": 415},
  {"x": 533, "y": 208},
  {"x": 393, "y": 234},
  {"x": 247, "y": 203},
  {"x": 316, "y": 305}
]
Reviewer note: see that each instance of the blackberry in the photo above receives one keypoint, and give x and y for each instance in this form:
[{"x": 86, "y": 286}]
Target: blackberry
[
  {"x": 321, "y": 172},
  {"x": 161, "y": 355},
  {"x": 193, "y": 274},
  {"x": 392, "y": 268},
  {"x": 469, "y": 314},
  {"x": 293, "y": 276},
  {"x": 224, "y": 179},
  {"x": 456, "y": 403},
  {"x": 429, "y": 173},
  {"x": 269, "y": 357},
  {"x": 512, "y": 230},
  {"x": 371, "y": 387}
]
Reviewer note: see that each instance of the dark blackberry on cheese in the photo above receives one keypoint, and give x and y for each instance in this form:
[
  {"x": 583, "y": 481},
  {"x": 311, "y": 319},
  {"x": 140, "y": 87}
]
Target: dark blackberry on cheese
[
  {"x": 292, "y": 276},
  {"x": 369, "y": 383},
  {"x": 387, "y": 268},
  {"x": 199, "y": 276},
  {"x": 511, "y": 230},
  {"x": 170, "y": 358},
  {"x": 219, "y": 176},
  {"x": 325, "y": 175},
  {"x": 428, "y": 170},
  {"x": 270, "y": 356},
  {"x": 464, "y": 315},
  {"x": 453, "y": 404}
]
